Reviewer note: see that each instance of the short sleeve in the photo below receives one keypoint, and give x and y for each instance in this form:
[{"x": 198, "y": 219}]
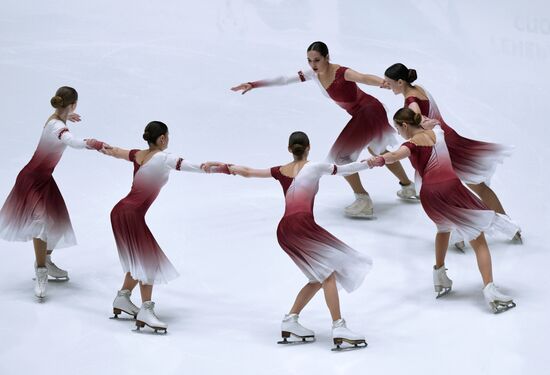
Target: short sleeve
[
  {"x": 132, "y": 155},
  {"x": 276, "y": 172},
  {"x": 412, "y": 99},
  {"x": 411, "y": 146},
  {"x": 340, "y": 72}
]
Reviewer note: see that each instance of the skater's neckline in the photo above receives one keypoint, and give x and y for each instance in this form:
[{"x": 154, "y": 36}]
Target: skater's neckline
[
  {"x": 146, "y": 162},
  {"x": 284, "y": 175},
  {"x": 332, "y": 82},
  {"x": 416, "y": 97}
]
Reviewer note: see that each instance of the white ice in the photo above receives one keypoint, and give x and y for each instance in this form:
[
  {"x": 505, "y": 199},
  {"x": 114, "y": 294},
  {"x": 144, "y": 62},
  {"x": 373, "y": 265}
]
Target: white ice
[{"x": 135, "y": 61}]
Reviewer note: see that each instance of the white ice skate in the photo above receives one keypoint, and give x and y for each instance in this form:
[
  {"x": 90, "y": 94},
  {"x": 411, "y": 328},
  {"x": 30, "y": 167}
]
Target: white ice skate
[
  {"x": 147, "y": 317},
  {"x": 122, "y": 303},
  {"x": 517, "y": 238},
  {"x": 341, "y": 334},
  {"x": 54, "y": 271},
  {"x": 408, "y": 193},
  {"x": 41, "y": 282},
  {"x": 361, "y": 208},
  {"x": 460, "y": 246},
  {"x": 291, "y": 327},
  {"x": 498, "y": 301},
  {"x": 442, "y": 283}
]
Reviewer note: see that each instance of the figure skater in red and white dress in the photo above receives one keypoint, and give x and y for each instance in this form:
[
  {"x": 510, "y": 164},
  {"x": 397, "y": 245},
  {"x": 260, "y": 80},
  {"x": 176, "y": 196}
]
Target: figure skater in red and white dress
[
  {"x": 35, "y": 209},
  {"x": 324, "y": 259},
  {"x": 474, "y": 161},
  {"x": 143, "y": 261},
  {"x": 447, "y": 202},
  {"x": 368, "y": 127}
]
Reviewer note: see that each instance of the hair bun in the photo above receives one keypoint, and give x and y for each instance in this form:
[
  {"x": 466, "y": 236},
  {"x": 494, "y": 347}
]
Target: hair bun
[
  {"x": 417, "y": 118},
  {"x": 56, "y": 101},
  {"x": 298, "y": 149},
  {"x": 146, "y": 136},
  {"x": 412, "y": 76}
]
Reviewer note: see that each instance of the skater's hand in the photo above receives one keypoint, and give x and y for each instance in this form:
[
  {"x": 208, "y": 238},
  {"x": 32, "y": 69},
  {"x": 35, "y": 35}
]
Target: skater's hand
[
  {"x": 74, "y": 117},
  {"x": 207, "y": 167},
  {"x": 377, "y": 161},
  {"x": 94, "y": 144},
  {"x": 385, "y": 85},
  {"x": 428, "y": 123},
  {"x": 245, "y": 87}
]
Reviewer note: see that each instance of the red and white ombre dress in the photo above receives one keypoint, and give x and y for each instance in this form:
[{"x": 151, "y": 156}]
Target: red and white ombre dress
[
  {"x": 447, "y": 202},
  {"x": 138, "y": 250},
  {"x": 368, "y": 126},
  {"x": 473, "y": 161},
  {"x": 314, "y": 250},
  {"x": 35, "y": 207}
]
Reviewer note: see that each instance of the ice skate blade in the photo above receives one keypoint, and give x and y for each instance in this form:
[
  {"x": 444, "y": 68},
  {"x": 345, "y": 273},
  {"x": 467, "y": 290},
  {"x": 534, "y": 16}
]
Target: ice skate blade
[
  {"x": 441, "y": 291},
  {"x": 409, "y": 200},
  {"x": 500, "y": 307},
  {"x": 460, "y": 246},
  {"x": 517, "y": 240},
  {"x": 354, "y": 344},
  {"x": 58, "y": 279},
  {"x": 117, "y": 312},
  {"x": 157, "y": 330},
  {"x": 360, "y": 216},
  {"x": 52, "y": 279},
  {"x": 301, "y": 339}
]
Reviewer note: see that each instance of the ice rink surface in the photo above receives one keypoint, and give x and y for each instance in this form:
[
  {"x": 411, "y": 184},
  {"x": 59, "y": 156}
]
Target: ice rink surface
[{"x": 486, "y": 63}]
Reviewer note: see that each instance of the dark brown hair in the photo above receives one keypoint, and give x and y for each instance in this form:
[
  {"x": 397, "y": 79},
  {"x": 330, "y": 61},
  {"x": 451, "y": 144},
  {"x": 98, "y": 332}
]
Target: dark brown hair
[
  {"x": 153, "y": 130},
  {"x": 64, "y": 96},
  {"x": 298, "y": 142},
  {"x": 400, "y": 71},
  {"x": 407, "y": 115},
  {"x": 318, "y": 47}
]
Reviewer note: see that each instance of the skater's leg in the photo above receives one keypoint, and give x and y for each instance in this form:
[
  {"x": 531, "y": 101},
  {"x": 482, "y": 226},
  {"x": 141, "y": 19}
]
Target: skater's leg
[
  {"x": 355, "y": 182},
  {"x": 483, "y": 258},
  {"x": 441, "y": 245},
  {"x": 129, "y": 283},
  {"x": 397, "y": 170},
  {"x": 146, "y": 292},
  {"x": 39, "y": 252},
  {"x": 488, "y": 196},
  {"x": 331, "y": 297},
  {"x": 304, "y": 296}
]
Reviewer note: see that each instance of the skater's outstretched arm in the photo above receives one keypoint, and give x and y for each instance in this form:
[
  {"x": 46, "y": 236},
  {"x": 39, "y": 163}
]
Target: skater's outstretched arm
[
  {"x": 249, "y": 172},
  {"x": 389, "y": 157},
  {"x": 65, "y": 136},
  {"x": 116, "y": 152},
  {"x": 344, "y": 169},
  {"x": 301, "y": 76},
  {"x": 180, "y": 164},
  {"x": 367, "y": 79}
]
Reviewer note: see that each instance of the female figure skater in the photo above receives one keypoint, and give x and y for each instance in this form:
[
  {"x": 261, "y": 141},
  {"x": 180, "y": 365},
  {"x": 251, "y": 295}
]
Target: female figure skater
[
  {"x": 142, "y": 259},
  {"x": 368, "y": 126},
  {"x": 474, "y": 161},
  {"x": 450, "y": 205},
  {"x": 35, "y": 208},
  {"x": 325, "y": 260}
]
